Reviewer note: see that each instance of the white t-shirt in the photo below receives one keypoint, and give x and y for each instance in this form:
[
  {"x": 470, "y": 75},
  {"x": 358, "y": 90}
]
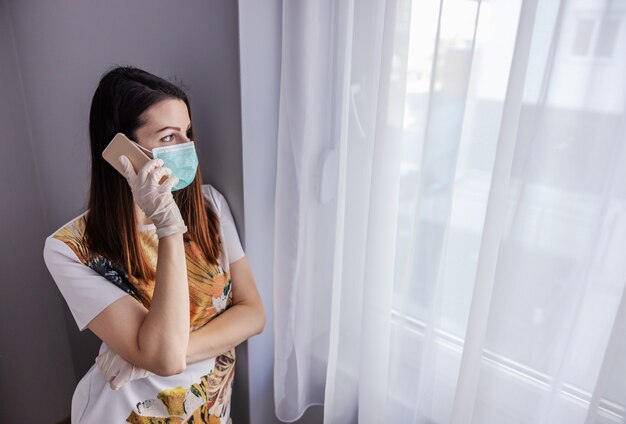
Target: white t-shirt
[{"x": 90, "y": 283}]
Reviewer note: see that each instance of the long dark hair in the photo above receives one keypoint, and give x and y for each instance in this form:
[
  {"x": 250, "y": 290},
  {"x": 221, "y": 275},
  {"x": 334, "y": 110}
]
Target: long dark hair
[{"x": 118, "y": 103}]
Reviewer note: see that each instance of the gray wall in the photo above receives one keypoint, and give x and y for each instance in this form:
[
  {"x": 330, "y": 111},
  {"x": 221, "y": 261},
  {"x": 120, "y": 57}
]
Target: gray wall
[
  {"x": 35, "y": 356},
  {"x": 51, "y": 57}
]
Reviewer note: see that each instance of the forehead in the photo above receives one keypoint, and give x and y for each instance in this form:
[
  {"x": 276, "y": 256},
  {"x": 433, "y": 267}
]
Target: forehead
[{"x": 167, "y": 112}]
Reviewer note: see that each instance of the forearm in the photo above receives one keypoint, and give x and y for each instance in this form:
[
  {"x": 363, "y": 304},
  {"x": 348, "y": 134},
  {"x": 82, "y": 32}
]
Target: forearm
[
  {"x": 232, "y": 327},
  {"x": 164, "y": 333}
]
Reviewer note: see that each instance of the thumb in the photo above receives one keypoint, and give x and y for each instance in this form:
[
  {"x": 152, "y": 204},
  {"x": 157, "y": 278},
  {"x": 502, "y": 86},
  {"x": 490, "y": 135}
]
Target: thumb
[{"x": 127, "y": 167}]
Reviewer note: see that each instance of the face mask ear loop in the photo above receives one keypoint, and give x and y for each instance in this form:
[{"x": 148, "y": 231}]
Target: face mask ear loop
[{"x": 149, "y": 152}]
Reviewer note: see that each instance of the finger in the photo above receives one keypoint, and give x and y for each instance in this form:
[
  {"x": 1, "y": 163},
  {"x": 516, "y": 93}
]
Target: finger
[
  {"x": 104, "y": 361},
  {"x": 127, "y": 167},
  {"x": 169, "y": 183},
  {"x": 135, "y": 373},
  {"x": 157, "y": 173},
  {"x": 149, "y": 166},
  {"x": 100, "y": 361},
  {"x": 117, "y": 382}
]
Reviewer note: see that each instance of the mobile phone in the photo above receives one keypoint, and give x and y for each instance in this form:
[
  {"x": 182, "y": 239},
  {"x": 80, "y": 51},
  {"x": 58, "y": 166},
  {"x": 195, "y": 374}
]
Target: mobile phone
[{"x": 122, "y": 145}]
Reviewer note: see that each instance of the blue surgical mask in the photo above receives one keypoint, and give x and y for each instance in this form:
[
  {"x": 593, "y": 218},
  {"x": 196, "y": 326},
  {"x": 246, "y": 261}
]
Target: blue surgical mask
[{"x": 181, "y": 159}]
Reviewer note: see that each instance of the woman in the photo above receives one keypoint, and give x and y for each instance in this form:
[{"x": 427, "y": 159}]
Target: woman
[{"x": 155, "y": 269}]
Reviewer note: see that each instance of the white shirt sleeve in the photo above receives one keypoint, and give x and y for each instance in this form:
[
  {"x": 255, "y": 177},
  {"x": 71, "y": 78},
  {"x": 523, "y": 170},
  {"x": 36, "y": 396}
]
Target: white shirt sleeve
[
  {"x": 234, "y": 250},
  {"x": 86, "y": 292}
]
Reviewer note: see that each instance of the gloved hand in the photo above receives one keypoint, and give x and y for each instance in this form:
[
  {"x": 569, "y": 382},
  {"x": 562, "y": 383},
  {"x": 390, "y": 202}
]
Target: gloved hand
[
  {"x": 117, "y": 370},
  {"x": 155, "y": 200}
]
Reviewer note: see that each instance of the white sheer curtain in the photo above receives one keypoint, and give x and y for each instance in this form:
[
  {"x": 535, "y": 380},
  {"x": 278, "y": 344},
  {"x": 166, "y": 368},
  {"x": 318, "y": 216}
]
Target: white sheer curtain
[{"x": 451, "y": 211}]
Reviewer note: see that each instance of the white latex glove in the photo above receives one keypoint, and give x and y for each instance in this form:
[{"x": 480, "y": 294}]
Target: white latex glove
[
  {"x": 118, "y": 371},
  {"x": 155, "y": 200}
]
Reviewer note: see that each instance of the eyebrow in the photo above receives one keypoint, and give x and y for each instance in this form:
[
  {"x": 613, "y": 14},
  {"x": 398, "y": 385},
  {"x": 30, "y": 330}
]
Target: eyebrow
[{"x": 172, "y": 128}]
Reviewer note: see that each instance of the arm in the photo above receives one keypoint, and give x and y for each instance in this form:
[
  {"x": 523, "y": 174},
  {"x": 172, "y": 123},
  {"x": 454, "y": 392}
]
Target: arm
[
  {"x": 244, "y": 319},
  {"x": 164, "y": 332},
  {"x": 154, "y": 339},
  {"x": 239, "y": 322}
]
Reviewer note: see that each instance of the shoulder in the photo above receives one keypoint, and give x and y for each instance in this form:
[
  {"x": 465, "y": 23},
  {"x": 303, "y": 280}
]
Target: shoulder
[
  {"x": 68, "y": 236},
  {"x": 214, "y": 196},
  {"x": 75, "y": 226}
]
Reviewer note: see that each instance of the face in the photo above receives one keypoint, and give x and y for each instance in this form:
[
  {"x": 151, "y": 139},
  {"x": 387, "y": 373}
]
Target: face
[{"x": 167, "y": 124}]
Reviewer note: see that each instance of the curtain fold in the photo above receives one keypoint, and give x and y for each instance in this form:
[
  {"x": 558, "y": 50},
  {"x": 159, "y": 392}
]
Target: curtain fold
[
  {"x": 490, "y": 243},
  {"x": 450, "y": 222}
]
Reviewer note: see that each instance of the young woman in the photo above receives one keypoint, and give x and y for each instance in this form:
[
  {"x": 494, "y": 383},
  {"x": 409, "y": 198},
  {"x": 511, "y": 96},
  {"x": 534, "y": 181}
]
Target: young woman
[{"x": 156, "y": 271}]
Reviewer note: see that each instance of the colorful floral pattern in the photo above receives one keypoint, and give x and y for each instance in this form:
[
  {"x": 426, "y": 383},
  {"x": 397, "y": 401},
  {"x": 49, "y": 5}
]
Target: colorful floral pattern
[
  {"x": 203, "y": 402},
  {"x": 207, "y": 400}
]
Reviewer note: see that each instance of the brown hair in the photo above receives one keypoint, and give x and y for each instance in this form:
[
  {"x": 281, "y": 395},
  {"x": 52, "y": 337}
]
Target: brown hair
[{"x": 122, "y": 96}]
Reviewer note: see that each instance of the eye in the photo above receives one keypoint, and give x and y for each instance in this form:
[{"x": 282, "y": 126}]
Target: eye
[
  {"x": 167, "y": 138},
  {"x": 189, "y": 133}
]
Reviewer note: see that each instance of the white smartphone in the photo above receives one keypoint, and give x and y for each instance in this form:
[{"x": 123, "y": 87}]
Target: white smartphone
[{"x": 122, "y": 145}]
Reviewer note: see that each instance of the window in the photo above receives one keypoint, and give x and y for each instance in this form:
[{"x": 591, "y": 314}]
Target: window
[{"x": 596, "y": 31}]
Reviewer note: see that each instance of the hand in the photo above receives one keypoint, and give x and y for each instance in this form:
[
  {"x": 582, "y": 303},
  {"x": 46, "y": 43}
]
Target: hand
[
  {"x": 117, "y": 371},
  {"x": 155, "y": 200}
]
